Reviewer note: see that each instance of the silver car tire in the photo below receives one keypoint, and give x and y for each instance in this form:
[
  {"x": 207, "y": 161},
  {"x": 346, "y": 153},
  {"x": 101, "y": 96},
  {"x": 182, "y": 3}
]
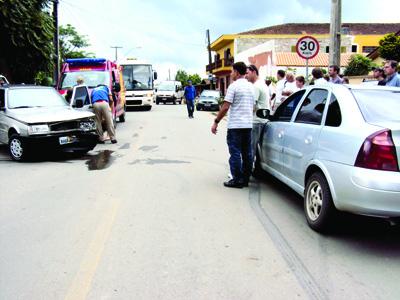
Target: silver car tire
[
  {"x": 318, "y": 205},
  {"x": 17, "y": 148}
]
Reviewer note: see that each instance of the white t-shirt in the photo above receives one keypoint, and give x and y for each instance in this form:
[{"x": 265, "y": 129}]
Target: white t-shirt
[
  {"x": 241, "y": 96},
  {"x": 262, "y": 98},
  {"x": 280, "y": 85},
  {"x": 320, "y": 81}
]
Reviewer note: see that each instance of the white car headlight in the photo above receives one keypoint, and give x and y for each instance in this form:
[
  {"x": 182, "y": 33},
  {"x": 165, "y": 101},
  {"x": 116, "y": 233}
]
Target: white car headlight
[
  {"x": 87, "y": 125},
  {"x": 149, "y": 94},
  {"x": 38, "y": 129}
]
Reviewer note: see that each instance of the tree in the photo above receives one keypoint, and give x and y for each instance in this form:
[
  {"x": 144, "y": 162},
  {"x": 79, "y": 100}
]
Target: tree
[
  {"x": 358, "y": 65},
  {"x": 389, "y": 47},
  {"x": 182, "y": 76},
  {"x": 195, "y": 78},
  {"x": 71, "y": 43},
  {"x": 26, "y": 35}
]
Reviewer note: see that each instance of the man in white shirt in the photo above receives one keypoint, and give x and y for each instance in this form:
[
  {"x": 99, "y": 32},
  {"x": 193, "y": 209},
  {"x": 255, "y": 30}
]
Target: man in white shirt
[
  {"x": 261, "y": 96},
  {"x": 290, "y": 86},
  {"x": 280, "y": 86},
  {"x": 239, "y": 100},
  {"x": 318, "y": 77}
]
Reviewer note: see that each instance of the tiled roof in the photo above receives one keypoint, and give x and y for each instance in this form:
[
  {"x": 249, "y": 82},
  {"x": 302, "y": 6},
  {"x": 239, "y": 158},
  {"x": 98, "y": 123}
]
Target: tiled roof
[
  {"x": 323, "y": 28},
  {"x": 291, "y": 59}
]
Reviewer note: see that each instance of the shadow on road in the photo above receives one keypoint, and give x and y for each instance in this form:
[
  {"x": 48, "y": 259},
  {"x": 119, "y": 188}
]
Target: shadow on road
[{"x": 375, "y": 236}]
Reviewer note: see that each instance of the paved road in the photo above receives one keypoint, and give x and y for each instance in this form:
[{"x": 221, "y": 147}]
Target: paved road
[{"x": 148, "y": 218}]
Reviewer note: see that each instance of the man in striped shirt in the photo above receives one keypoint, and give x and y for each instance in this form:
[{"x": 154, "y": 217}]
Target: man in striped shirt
[{"x": 239, "y": 100}]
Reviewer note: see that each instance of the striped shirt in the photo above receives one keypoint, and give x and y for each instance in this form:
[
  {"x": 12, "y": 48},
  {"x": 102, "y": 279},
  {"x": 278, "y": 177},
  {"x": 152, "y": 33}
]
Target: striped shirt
[{"x": 241, "y": 96}]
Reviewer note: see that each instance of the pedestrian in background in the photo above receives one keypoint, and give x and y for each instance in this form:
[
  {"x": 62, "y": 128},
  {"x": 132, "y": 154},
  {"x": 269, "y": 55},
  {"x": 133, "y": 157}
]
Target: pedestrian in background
[
  {"x": 190, "y": 95},
  {"x": 300, "y": 81},
  {"x": 334, "y": 77},
  {"x": 102, "y": 106},
  {"x": 280, "y": 85},
  {"x": 239, "y": 101},
  {"x": 261, "y": 97},
  {"x": 290, "y": 86},
  {"x": 379, "y": 74},
  {"x": 392, "y": 78},
  {"x": 318, "y": 77}
]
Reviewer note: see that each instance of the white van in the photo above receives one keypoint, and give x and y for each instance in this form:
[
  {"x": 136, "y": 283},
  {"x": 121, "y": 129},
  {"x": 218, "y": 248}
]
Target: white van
[{"x": 169, "y": 91}]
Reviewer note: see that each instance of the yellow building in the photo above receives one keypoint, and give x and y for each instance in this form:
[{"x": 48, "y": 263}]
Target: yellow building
[{"x": 356, "y": 38}]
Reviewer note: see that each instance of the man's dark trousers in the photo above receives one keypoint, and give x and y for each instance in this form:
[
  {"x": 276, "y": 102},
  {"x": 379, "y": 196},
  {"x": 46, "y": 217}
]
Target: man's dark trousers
[
  {"x": 190, "y": 107},
  {"x": 240, "y": 162}
]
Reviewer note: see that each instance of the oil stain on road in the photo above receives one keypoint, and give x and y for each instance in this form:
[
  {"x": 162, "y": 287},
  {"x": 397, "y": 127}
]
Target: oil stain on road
[{"x": 102, "y": 160}]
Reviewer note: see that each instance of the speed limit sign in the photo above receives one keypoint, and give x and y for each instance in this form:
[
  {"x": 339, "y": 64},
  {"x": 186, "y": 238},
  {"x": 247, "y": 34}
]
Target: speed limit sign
[{"x": 307, "y": 47}]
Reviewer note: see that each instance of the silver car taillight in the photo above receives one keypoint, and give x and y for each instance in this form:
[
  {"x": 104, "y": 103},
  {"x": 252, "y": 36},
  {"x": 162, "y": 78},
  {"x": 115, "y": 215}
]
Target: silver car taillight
[{"x": 378, "y": 152}]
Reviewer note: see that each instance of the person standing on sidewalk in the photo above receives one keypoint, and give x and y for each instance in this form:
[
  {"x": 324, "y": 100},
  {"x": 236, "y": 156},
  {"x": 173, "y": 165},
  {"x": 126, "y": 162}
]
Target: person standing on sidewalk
[
  {"x": 334, "y": 77},
  {"x": 102, "y": 107},
  {"x": 261, "y": 96},
  {"x": 190, "y": 94},
  {"x": 392, "y": 78},
  {"x": 239, "y": 101}
]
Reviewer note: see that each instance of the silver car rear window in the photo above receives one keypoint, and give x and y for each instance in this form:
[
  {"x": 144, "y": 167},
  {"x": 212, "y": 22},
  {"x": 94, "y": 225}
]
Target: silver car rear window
[{"x": 378, "y": 105}]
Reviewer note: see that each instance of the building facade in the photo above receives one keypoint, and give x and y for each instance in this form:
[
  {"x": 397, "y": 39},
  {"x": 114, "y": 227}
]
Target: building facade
[{"x": 274, "y": 47}]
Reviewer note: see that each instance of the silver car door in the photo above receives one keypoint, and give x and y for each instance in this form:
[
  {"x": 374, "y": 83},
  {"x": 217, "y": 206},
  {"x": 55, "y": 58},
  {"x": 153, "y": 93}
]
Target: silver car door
[
  {"x": 301, "y": 137},
  {"x": 274, "y": 133}
]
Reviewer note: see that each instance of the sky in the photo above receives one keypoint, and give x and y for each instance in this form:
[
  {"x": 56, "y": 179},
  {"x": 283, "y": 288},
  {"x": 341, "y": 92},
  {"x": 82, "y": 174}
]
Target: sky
[{"x": 171, "y": 34}]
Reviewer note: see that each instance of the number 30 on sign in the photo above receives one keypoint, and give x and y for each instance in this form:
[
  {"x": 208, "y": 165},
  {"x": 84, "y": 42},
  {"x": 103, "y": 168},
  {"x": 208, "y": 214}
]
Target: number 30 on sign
[{"x": 307, "y": 47}]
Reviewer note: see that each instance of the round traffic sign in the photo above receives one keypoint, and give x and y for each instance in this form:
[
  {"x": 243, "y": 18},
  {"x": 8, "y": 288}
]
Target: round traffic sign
[{"x": 307, "y": 47}]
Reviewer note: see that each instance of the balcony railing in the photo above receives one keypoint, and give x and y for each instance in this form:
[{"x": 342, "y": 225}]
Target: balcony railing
[
  {"x": 229, "y": 61},
  {"x": 218, "y": 64}
]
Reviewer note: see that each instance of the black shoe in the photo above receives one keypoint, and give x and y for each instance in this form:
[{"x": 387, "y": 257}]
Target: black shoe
[
  {"x": 233, "y": 184},
  {"x": 113, "y": 141}
]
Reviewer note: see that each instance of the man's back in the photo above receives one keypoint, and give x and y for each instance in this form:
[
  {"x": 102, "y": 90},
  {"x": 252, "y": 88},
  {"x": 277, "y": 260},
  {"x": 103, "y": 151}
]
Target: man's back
[{"x": 241, "y": 96}]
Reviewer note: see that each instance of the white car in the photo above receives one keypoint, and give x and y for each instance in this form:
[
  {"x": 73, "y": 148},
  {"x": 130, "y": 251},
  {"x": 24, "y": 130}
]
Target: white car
[
  {"x": 169, "y": 91},
  {"x": 36, "y": 117}
]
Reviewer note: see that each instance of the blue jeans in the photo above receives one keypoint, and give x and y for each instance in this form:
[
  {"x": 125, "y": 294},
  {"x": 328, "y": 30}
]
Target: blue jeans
[
  {"x": 190, "y": 107},
  {"x": 240, "y": 162}
]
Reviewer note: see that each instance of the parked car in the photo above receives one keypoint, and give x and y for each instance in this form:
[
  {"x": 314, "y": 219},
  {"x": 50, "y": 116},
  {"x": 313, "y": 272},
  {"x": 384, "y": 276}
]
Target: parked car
[
  {"x": 209, "y": 100},
  {"x": 169, "y": 91},
  {"x": 339, "y": 147},
  {"x": 36, "y": 116}
]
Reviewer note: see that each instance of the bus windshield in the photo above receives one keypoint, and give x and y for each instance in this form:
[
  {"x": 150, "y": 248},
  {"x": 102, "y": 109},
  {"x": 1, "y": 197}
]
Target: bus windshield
[
  {"x": 138, "y": 77},
  {"x": 90, "y": 78}
]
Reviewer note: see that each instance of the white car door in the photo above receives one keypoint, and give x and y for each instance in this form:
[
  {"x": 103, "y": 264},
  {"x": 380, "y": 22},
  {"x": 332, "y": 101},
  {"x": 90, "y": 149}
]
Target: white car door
[
  {"x": 301, "y": 137},
  {"x": 3, "y": 125},
  {"x": 81, "y": 98},
  {"x": 272, "y": 139}
]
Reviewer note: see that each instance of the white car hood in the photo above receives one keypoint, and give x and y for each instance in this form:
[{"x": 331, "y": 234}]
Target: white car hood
[{"x": 47, "y": 114}]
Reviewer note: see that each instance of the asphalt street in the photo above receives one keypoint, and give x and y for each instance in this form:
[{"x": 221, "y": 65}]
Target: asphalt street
[{"x": 149, "y": 218}]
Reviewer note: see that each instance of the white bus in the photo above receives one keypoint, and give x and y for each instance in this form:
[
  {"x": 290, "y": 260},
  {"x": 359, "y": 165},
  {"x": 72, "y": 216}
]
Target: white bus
[{"x": 138, "y": 79}]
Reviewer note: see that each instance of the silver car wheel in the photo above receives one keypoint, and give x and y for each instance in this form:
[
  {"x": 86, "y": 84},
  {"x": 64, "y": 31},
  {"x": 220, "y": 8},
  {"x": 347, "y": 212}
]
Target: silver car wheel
[
  {"x": 314, "y": 200},
  {"x": 16, "y": 148}
]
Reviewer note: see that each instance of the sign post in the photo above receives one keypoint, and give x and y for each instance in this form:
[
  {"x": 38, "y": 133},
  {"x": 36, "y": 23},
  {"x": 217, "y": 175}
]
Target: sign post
[{"x": 307, "y": 47}]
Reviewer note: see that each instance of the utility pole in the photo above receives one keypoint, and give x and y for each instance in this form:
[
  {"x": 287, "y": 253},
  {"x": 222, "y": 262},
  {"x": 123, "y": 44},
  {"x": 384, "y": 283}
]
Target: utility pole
[
  {"x": 209, "y": 58},
  {"x": 116, "y": 51},
  {"x": 56, "y": 74},
  {"x": 169, "y": 74},
  {"x": 336, "y": 24}
]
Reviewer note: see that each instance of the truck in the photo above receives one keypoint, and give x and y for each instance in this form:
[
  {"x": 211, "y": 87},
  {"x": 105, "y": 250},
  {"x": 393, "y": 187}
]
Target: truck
[
  {"x": 169, "y": 91},
  {"x": 138, "y": 77},
  {"x": 95, "y": 71}
]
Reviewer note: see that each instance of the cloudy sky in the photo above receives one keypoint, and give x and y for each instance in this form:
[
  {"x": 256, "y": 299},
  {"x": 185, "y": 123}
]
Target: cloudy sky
[{"x": 171, "y": 34}]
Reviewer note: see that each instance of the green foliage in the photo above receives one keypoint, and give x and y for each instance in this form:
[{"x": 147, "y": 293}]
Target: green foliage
[
  {"x": 389, "y": 47},
  {"x": 195, "y": 78},
  {"x": 71, "y": 43},
  {"x": 183, "y": 77},
  {"x": 26, "y": 35},
  {"x": 358, "y": 65},
  {"x": 272, "y": 78}
]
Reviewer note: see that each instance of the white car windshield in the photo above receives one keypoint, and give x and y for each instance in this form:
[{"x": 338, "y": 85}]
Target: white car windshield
[
  {"x": 210, "y": 94},
  {"x": 378, "y": 105},
  {"x": 166, "y": 86},
  {"x": 34, "y": 97},
  {"x": 90, "y": 78},
  {"x": 138, "y": 77}
]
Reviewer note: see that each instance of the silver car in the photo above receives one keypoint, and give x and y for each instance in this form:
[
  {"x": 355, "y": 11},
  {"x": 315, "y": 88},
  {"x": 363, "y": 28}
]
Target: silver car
[
  {"x": 339, "y": 147},
  {"x": 33, "y": 117}
]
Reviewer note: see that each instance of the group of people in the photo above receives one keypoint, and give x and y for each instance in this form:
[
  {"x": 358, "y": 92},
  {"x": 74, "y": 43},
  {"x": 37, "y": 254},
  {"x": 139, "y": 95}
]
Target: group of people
[
  {"x": 388, "y": 74},
  {"x": 248, "y": 93}
]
